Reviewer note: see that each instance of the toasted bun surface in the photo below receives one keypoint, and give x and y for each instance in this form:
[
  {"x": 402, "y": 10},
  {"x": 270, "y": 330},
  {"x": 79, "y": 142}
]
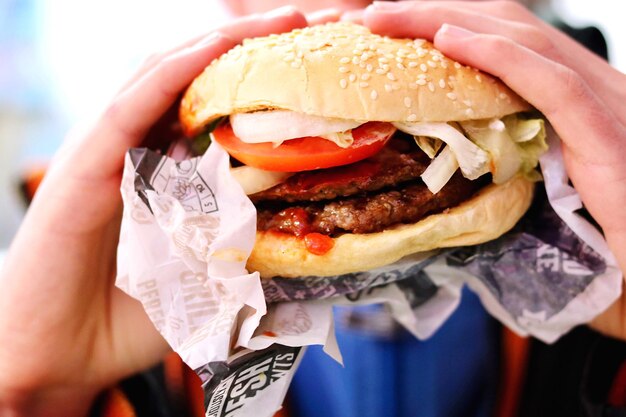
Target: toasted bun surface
[
  {"x": 342, "y": 70},
  {"x": 490, "y": 213}
]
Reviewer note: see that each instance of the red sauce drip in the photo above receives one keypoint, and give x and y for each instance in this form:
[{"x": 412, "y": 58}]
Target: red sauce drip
[
  {"x": 318, "y": 244},
  {"x": 268, "y": 333}
]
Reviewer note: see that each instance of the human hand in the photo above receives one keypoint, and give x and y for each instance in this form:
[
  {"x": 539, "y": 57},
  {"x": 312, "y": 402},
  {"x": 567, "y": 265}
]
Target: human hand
[
  {"x": 581, "y": 95},
  {"x": 66, "y": 331}
]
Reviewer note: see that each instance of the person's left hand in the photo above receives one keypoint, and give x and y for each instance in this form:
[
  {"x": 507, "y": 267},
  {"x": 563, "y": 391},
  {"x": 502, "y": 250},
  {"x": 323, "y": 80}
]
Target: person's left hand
[
  {"x": 580, "y": 93},
  {"x": 66, "y": 331}
]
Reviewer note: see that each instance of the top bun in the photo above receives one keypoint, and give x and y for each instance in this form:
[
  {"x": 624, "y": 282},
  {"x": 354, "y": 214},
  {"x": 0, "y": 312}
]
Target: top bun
[{"x": 342, "y": 70}]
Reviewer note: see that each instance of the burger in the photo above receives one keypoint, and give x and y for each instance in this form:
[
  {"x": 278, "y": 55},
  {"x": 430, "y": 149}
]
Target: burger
[{"x": 358, "y": 149}]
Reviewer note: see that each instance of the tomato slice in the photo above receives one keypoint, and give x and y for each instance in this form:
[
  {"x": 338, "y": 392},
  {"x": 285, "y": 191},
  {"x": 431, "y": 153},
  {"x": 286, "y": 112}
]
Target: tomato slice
[{"x": 304, "y": 154}]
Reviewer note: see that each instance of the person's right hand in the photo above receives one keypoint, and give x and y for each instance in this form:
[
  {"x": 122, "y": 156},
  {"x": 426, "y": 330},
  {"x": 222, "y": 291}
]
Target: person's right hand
[
  {"x": 66, "y": 332},
  {"x": 581, "y": 94}
]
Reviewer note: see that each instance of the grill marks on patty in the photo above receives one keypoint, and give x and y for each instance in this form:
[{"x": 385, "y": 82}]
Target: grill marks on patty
[{"x": 365, "y": 197}]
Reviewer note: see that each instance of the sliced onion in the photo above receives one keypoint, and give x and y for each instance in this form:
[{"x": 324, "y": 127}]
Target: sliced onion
[
  {"x": 254, "y": 180},
  {"x": 281, "y": 125},
  {"x": 472, "y": 160},
  {"x": 494, "y": 138},
  {"x": 440, "y": 170}
]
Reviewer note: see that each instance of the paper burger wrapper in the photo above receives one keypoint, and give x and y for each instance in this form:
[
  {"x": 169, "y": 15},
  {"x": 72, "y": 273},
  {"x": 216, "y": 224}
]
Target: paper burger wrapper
[{"x": 188, "y": 229}]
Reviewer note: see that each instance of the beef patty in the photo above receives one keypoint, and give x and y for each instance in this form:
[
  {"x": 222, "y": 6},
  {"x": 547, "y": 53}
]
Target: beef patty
[{"x": 365, "y": 197}]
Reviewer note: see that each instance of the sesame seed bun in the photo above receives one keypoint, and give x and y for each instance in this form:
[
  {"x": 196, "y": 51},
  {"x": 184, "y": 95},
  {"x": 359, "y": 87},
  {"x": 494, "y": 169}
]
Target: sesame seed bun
[
  {"x": 489, "y": 214},
  {"x": 341, "y": 70}
]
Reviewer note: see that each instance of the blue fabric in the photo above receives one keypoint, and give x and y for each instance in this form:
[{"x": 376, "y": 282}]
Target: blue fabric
[{"x": 454, "y": 373}]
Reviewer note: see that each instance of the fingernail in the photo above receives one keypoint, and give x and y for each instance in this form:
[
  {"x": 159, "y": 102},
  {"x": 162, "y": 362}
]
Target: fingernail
[
  {"x": 323, "y": 15},
  {"x": 352, "y": 16},
  {"x": 385, "y": 5},
  {"x": 209, "y": 39},
  {"x": 451, "y": 31},
  {"x": 281, "y": 11},
  {"x": 392, "y": 7}
]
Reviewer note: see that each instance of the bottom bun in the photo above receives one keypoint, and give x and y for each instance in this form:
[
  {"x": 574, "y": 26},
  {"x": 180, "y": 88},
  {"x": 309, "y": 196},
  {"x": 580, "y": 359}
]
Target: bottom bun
[{"x": 487, "y": 215}]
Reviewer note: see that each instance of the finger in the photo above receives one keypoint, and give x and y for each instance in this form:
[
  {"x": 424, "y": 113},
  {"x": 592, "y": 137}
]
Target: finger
[
  {"x": 154, "y": 59},
  {"x": 354, "y": 16},
  {"x": 131, "y": 324},
  {"x": 133, "y": 112},
  {"x": 323, "y": 16},
  {"x": 557, "y": 91},
  {"x": 508, "y": 10},
  {"x": 275, "y": 21},
  {"x": 421, "y": 19}
]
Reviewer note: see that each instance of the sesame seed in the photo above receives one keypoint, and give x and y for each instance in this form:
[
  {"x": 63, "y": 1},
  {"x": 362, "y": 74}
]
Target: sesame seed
[
  {"x": 380, "y": 71},
  {"x": 412, "y": 64},
  {"x": 344, "y": 60},
  {"x": 468, "y": 103},
  {"x": 352, "y": 78},
  {"x": 383, "y": 59},
  {"x": 343, "y": 83},
  {"x": 451, "y": 96},
  {"x": 400, "y": 66},
  {"x": 388, "y": 88},
  {"x": 365, "y": 76},
  {"x": 422, "y": 76},
  {"x": 300, "y": 54},
  {"x": 421, "y": 81},
  {"x": 431, "y": 87},
  {"x": 479, "y": 78},
  {"x": 442, "y": 83},
  {"x": 412, "y": 56},
  {"x": 399, "y": 59},
  {"x": 355, "y": 60},
  {"x": 343, "y": 69},
  {"x": 469, "y": 112},
  {"x": 407, "y": 102},
  {"x": 391, "y": 76},
  {"x": 457, "y": 65},
  {"x": 412, "y": 117},
  {"x": 363, "y": 84},
  {"x": 435, "y": 57},
  {"x": 373, "y": 95},
  {"x": 423, "y": 67},
  {"x": 444, "y": 64},
  {"x": 503, "y": 96},
  {"x": 431, "y": 64},
  {"x": 369, "y": 67}
]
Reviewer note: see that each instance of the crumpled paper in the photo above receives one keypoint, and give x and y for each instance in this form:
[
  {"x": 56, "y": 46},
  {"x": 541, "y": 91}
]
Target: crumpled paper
[{"x": 188, "y": 229}]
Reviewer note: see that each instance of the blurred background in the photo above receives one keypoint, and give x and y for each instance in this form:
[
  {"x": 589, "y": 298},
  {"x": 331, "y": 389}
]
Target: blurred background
[{"x": 61, "y": 62}]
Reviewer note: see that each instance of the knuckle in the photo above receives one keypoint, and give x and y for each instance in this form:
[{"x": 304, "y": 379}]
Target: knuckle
[
  {"x": 510, "y": 8},
  {"x": 496, "y": 44},
  {"x": 537, "y": 40},
  {"x": 574, "y": 86}
]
